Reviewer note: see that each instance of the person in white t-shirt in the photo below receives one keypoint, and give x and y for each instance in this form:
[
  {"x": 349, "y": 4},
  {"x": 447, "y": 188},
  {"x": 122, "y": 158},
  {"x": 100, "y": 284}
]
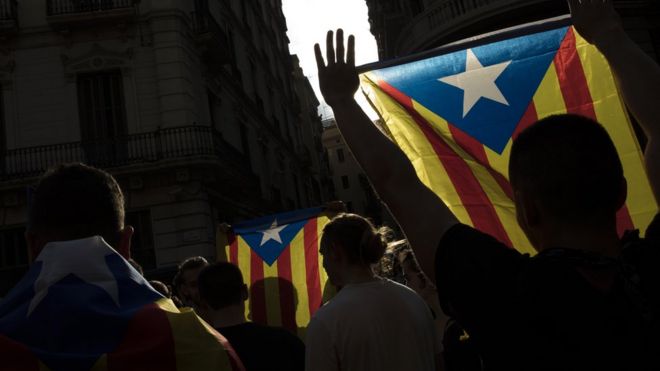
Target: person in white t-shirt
[{"x": 372, "y": 323}]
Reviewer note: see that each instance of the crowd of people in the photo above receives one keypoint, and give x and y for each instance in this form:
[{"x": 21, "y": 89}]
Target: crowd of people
[{"x": 449, "y": 297}]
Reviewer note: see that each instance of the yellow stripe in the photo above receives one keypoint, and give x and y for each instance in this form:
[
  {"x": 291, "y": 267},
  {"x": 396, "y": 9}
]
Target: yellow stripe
[
  {"x": 195, "y": 342},
  {"x": 272, "y": 291},
  {"x": 412, "y": 141},
  {"x": 502, "y": 204},
  {"x": 326, "y": 292},
  {"x": 548, "y": 98},
  {"x": 101, "y": 364},
  {"x": 299, "y": 278},
  {"x": 244, "y": 254},
  {"x": 612, "y": 115}
]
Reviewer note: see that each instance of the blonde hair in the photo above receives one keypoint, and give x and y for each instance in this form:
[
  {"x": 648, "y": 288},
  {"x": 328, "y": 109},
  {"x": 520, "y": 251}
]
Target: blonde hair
[{"x": 360, "y": 239}]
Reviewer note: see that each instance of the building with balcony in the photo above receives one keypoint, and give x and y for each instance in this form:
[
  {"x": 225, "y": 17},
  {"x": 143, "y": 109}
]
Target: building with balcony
[
  {"x": 403, "y": 27},
  {"x": 196, "y": 107}
]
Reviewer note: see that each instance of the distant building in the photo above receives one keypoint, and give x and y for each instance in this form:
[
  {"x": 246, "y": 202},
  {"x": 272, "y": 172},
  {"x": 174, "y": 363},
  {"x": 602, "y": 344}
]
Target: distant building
[
  {"x": 350, "y": 184},
  {"x": 403, "y": 27},
  {"x": 195, "y": 106}
]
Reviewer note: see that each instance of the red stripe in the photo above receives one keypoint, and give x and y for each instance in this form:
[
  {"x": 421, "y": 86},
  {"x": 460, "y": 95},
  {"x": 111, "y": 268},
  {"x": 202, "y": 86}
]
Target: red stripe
[
  {"x": 257, "y": 290},
  {"x": 233, "y": 248},
  {"x": 311, "y": 239},
  {"x": 529, "y": 118},
  {"x": 148, "y": 343},
  {"x": 578, "y": 100},
  {"x": 16, "y": 356},
  {"x": 287, "y": 297},
  {"x": 477, "y": 151},
  {"x": 473, "y": 197}
]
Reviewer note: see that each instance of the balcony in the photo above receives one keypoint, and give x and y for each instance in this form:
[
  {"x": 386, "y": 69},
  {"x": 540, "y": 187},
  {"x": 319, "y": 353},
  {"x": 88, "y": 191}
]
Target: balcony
[
  {"x": 64, "y": 13},
  {"x": 8, "y": 16},
  {"x": 187, "y": 144},
  {"x": 211, "y": 38},
  {"x": 453, "y": 20}
]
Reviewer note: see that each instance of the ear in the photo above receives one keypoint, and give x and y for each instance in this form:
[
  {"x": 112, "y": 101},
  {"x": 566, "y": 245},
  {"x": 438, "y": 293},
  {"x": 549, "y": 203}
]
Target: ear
[
  {"x": 244, "y": 292},
  {"x": 124, "y": 247}
]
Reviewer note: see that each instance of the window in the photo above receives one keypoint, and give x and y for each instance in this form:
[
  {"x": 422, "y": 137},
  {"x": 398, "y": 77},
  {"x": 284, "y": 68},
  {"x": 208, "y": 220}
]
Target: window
[
  {"x": 344, "y": 182},
  {"x": 102, "y": 116},
  {"x": 142, "y": 244},
  {"x": 13, "y": 258},
  {"x": 340, "y": 154}
]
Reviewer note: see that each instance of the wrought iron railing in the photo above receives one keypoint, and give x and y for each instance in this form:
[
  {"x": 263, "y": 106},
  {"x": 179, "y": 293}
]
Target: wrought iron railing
[
  {"x": 62, "y": 7},
  {"x": 8, "y": 10},
  {"x": 164, "y": 144}
]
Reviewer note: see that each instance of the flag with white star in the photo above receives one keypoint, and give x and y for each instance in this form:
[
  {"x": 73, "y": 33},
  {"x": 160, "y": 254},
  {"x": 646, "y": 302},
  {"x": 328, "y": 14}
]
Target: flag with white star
[
  {"x": 81, "y": 306},
  {"x": 280, "y": 261},
  {"x": 455, "y": 112}
]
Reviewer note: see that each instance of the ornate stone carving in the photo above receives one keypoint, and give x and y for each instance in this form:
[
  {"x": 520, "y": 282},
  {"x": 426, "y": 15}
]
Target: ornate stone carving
[{"x": 97, "y": 59}]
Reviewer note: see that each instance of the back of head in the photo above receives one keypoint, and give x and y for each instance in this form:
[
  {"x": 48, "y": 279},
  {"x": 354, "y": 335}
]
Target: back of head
[
  {"x": 73, "y": 201},
  {"x": 191, "y": 263},
  {"x": 569, "y": 164},
  {"x": 221, "y": 285},
  {"x": 360, "y": 240}
]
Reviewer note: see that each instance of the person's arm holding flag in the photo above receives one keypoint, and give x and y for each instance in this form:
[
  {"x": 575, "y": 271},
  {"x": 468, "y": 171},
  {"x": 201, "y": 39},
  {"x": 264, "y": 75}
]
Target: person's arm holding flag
[
  {"x": 636, "y": 74},
  {"x": 423, "y": 217}
]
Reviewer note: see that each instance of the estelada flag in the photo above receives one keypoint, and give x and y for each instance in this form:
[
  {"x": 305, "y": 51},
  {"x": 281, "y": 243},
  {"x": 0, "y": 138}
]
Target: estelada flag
[
  {"x": 280, "y": 261},
  {"x": 455, "y": 112},
  {"x": 81, "y": 306}
]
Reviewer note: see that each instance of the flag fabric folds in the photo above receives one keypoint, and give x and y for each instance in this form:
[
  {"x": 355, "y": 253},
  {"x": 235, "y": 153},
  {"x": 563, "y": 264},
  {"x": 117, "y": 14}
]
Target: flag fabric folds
[
  {"x": 280, "y": 261},
  {"x": 455, "y": 116},
  {"x": 81, "y": 306}
]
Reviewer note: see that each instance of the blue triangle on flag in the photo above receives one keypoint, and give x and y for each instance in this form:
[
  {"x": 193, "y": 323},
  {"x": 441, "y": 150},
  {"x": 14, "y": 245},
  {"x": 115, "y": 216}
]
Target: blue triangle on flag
[
  {"x": 523, "y": 62},
  {"x": 270, "y": 235}
]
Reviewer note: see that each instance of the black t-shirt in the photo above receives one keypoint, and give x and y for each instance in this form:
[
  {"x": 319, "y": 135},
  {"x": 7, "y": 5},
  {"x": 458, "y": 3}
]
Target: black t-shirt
[
  {"x": 563, "y": 309},
  {"x": 264, "y": 348}
]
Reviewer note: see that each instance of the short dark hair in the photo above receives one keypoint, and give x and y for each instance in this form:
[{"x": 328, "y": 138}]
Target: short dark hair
[
  {"x": 221, "y": 285},
  {"x": 73, "y": 201},
  {"x": 570, "y": 164},
  {"x": 193, "y": 262}
]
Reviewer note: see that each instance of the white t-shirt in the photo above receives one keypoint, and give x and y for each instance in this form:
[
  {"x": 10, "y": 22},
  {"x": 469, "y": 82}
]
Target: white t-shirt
[{"x": 379, "y": 325}]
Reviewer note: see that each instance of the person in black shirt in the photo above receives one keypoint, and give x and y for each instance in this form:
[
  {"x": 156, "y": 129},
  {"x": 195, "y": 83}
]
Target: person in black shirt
[
  {"x": 589, "y": 300},
  {"x": 223, "y": 294}
]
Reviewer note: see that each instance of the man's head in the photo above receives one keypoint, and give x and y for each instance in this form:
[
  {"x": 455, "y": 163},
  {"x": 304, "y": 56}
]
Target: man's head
[
  {"x": 565, "y": 170},
  {"x": 185, "y": 280},
  {"x": 74, "y": 201},
  {"x": 221, "y": 285}
]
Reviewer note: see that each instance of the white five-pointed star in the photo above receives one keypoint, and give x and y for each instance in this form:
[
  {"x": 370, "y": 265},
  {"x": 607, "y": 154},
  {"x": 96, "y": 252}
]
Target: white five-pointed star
[
  {"x": 272, "y": 233},
  {"x": 83, "y": 258},
  {"x": 478, "y": 82}
]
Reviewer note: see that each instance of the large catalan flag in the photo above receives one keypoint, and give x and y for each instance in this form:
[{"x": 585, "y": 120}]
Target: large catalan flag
[
  {"x": 82, "y": 307},
  {"x": 456, "y": 113},
  {"x": 280, "y": 261}
]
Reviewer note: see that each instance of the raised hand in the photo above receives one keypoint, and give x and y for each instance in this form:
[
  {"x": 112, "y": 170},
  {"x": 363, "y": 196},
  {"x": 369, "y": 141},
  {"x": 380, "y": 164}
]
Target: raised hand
[
  {"x": 595, "y": 20},
  {"x": 338, "y": 79}
]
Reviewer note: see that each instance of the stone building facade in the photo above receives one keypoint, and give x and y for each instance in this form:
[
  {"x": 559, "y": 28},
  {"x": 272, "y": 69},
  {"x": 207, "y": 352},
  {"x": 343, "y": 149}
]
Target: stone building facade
[{"x": 196, "y": 107}]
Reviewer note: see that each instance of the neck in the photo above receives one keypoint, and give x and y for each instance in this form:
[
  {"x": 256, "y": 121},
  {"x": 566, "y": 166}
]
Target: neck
[
  {"x": 227, "y": 316},
  {"x": 601, "y": 239},
  {"x": 357, "y": 274}
]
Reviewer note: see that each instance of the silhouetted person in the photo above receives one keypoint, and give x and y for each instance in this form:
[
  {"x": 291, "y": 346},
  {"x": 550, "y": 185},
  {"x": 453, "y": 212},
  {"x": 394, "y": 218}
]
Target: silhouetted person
[
  {"x": 185, "y": 281},
  {"x": 81, "y": 301},
  {"x": 372, "y": 323},
  {"x": 288, "y": 302},
  {"x": 162, "y": 288},
  {"x": 588, "y": 300},
  {"x": 223, "y": 294}
]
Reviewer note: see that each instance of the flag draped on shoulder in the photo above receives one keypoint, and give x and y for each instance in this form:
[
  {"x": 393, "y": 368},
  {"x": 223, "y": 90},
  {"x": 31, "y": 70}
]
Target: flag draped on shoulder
[
  {"x": 280, "y": 261},
  {"x": 456, "y": 114},
  {"x": 81, "y": 306}
]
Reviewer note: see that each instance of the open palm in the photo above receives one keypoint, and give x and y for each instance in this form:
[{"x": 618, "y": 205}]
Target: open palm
[{"x": 338, "y": 79}]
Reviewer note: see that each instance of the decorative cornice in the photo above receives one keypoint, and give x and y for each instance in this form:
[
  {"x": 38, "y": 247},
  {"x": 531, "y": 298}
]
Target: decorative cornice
[{"x": 97, "y": 59}]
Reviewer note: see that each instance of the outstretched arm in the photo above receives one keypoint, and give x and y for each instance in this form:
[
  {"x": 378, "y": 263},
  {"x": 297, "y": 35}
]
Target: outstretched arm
[
  {"x": 423, "y": 217},
  {"x": 636, "y": 74}
]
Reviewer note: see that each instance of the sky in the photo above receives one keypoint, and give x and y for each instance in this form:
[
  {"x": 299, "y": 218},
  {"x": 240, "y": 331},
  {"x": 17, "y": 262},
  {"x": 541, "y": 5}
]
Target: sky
[{"x": 309, "y": 20}]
